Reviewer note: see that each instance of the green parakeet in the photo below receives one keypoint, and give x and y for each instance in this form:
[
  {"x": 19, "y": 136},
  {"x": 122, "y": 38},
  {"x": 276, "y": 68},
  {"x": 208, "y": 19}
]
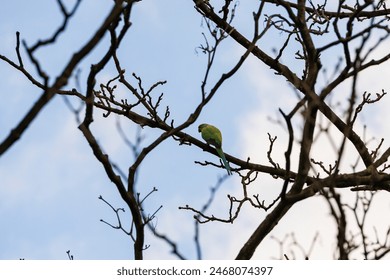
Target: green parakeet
[{"x": 213, "y": 136}]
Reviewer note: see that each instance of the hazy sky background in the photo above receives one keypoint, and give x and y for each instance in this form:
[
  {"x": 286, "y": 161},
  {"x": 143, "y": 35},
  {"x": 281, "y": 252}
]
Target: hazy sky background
[{"x": 50, "y": 181}]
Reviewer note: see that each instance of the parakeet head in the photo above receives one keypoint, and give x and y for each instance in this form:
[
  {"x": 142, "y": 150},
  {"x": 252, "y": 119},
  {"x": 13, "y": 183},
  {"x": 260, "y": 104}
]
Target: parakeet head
[{"x": 200, "y": 127}]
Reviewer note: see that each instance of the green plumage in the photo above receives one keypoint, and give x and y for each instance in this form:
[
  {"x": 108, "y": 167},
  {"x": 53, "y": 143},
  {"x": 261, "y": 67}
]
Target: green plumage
[{"x": 213, "y": 136}]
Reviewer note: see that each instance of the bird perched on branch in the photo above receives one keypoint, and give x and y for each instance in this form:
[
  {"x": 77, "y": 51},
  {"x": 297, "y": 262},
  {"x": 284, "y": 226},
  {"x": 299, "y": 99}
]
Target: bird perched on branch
[{"x": 213, "y": 136}]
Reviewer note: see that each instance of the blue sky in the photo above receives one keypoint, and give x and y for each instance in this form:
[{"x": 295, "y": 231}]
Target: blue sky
[{"x": 50, "y": 180}]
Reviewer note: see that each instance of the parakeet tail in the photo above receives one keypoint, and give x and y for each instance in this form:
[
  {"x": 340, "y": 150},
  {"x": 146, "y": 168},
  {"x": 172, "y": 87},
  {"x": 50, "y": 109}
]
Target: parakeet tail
[{"x": 222, "y": 156}]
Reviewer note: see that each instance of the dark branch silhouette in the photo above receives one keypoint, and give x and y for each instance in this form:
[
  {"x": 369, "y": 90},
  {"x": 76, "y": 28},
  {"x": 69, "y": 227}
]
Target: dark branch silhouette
[{"x": 308, "y": 32}]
